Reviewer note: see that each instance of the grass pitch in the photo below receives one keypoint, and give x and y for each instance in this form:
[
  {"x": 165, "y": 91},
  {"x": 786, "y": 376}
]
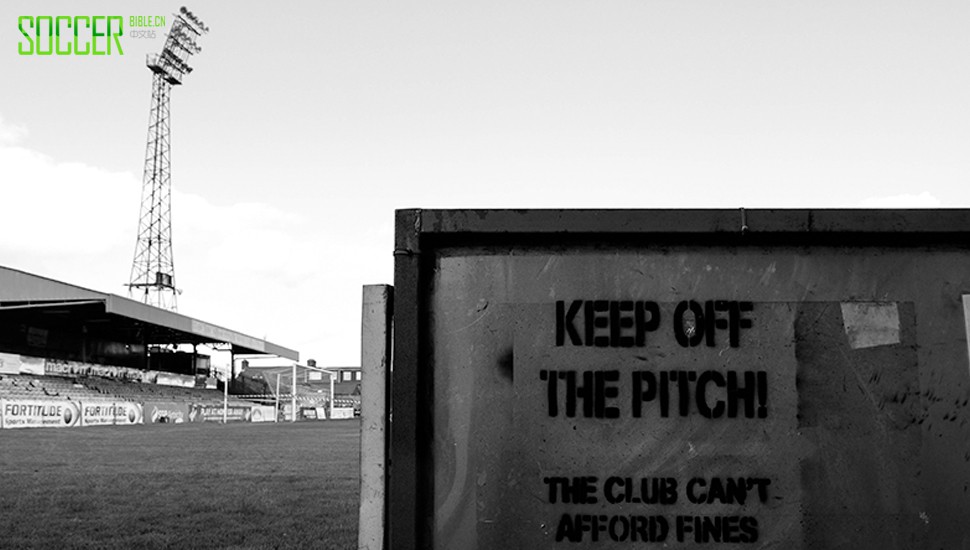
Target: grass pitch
[{"x": 181, "y": 486}]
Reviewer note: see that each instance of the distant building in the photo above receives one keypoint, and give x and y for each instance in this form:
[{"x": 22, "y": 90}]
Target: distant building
[
  {"x": 347, "y": 382},
  {"x": 346, "y": 379}
]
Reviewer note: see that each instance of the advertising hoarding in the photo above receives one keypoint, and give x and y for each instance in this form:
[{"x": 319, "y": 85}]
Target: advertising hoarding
[
  {"x": 39, "y": 413},
  {"x": 110, "y": 413},
  {"x": 263, "y": 413},
  {"x": 214, "y": 413},
  {"x": 165, "y": 412}
]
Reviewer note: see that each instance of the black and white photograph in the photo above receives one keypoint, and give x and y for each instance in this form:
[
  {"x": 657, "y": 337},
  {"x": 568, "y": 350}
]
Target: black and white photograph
[{"x": 480, "y": 275}]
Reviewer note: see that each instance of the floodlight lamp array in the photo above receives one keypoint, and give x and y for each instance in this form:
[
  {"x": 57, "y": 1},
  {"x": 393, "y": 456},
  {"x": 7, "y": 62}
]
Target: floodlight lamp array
[
  {"x": 200, "y": 26},
  {"x": 172, "y": 62}
]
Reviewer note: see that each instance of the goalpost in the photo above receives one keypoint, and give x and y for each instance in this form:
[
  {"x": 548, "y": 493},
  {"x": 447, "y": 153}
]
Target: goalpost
[
  {"x": 280, "y": 378},
  {"x": 330, "y": 399}
]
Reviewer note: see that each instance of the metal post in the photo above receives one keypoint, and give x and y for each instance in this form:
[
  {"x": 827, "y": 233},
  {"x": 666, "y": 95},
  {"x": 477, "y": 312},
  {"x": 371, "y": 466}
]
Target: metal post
[
  {"x": 277, "y": 417},
  {"x": 293, "y": 397},
  {"x": 225, "y": 399},
  {"x": 225, "y": 388},
  {"x": 330, "y": 412},
  {"x": 410, "y": 429}
]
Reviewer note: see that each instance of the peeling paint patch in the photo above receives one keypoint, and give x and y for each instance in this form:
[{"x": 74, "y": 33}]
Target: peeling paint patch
[{"x": 870, "y": 324}]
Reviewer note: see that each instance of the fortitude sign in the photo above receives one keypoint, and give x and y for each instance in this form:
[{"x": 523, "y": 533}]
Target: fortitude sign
[
  {"x": 671, "y": 379},
  {"x": 39, "y": 413},
  {"x": 111, "y": 413}
]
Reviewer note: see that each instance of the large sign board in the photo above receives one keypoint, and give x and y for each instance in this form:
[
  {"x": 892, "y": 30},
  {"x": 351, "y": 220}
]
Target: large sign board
[
  {"x": 199, "y": 412},
  {"x": 722, "y": 379},
  {"x": 111, "y": 413},
  {"x": 39, "y": 413},
  {"x": 263, "y": 413},
  {"x": 165, "y": 412}
]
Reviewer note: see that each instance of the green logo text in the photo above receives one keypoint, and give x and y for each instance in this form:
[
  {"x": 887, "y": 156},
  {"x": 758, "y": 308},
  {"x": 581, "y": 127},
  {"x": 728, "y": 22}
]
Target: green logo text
[{"x": 70, "y": 35}]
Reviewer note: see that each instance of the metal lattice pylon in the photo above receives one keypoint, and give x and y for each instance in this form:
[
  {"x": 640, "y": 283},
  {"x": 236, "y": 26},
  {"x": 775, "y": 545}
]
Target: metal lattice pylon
[{"x": 153, "y": 269}]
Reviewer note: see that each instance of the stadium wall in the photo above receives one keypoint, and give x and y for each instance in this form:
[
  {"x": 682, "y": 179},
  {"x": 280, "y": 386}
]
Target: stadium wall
[
  {"x": 47, "y": 405},
  {"x": 65, "y": 413}
]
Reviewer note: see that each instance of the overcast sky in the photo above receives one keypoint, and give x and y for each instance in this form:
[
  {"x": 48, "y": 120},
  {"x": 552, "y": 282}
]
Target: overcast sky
[{"x": 305, "y": 125}]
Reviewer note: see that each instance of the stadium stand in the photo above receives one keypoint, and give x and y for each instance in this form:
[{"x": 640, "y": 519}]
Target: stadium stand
[
  {"x": 71, "y": 356},
  {"x": 88, "y": 388}
]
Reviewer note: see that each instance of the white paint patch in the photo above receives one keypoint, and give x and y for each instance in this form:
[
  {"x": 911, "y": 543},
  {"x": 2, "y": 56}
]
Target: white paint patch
[
  {"x": 870, "y": 324},
  {"x": 766, "y": 276}
]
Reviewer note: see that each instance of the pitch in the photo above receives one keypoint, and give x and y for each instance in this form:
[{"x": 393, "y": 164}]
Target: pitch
[{"x": 181, "y": 486}]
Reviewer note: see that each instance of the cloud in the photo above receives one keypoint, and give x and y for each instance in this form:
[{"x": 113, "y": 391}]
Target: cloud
[
  {"x": 922, "y": 200},
  {"x": 70, "y": 209},
  {"x": 62, "y": 208},
  {"x": 11, "y": 134},
  {"x": 249, "y": 266}
]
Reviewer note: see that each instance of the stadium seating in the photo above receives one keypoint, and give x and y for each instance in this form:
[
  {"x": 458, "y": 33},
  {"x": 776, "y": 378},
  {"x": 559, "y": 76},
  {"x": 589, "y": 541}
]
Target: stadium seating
[
  {"x": 97, "y": 388},
  {"x": 39, "y": 387}
]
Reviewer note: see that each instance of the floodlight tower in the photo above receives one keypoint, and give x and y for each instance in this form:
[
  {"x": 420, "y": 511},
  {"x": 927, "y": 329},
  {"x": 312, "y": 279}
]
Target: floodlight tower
[{"x": 153, "y": 270}]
